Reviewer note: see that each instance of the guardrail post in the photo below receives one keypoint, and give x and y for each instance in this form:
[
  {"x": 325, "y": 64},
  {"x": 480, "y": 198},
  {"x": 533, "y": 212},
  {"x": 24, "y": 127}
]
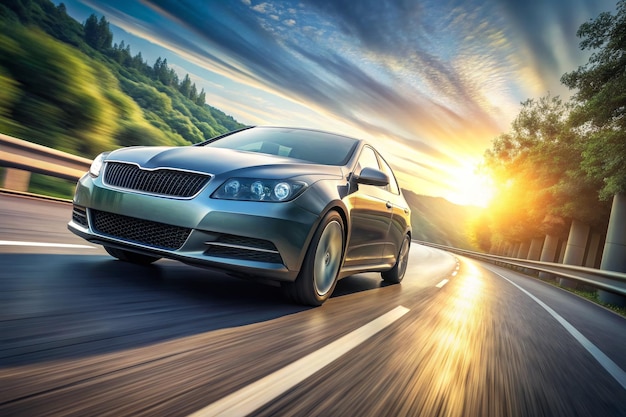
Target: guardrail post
[
  {"x": 575, "y": 249},
  {"x": 522, "y": 253},
  {"x": 614, "y": 255},
  {"x": 507, "y": 249},
  {"x": 515, "y": 249},
  {"x": 595, "y": 250},
  {"x": 548, "y": 253},
  {"x": 16, "y": 179},
  {"x": 524, "y": 248},
  {"x": 562, "y": 247},
  {"x": 496, "y": 248},
  {"x": 534, "y": 253},
  {"x": 501, "y": 248}
]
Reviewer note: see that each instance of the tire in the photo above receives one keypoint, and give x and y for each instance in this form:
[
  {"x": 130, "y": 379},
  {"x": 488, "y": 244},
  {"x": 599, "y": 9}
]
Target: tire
[
  {"x": 318, "y": 276},
  {"x": 132, "y": 257},
  {"x": 396, "y": 274}
]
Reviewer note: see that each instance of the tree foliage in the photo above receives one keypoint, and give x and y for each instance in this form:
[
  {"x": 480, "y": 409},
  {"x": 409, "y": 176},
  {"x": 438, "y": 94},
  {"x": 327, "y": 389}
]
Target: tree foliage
[
  {"x": 97, "y": 33},
  {"x": 59, "y": 103},
  {"x": 525, "y": 164},
  {"x": 601, "y": 99},
  {"x": 52, "y": 19},
  {"x": 536, "y": 169}
]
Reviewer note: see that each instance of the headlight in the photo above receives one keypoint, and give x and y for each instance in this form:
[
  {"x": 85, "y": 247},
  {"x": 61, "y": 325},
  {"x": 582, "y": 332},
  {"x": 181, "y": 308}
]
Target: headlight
[
  {"x": 96, "y": 165},
  {"x": 254, "y": 189}
]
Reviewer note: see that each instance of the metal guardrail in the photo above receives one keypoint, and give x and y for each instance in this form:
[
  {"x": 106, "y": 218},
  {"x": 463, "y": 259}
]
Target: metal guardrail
[
  {"x": 28, "y": 156},
  {"x": 611, "y": 281}
]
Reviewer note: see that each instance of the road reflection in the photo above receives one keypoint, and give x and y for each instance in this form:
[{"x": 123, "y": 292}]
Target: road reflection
[{"x": 456, "y": 347}]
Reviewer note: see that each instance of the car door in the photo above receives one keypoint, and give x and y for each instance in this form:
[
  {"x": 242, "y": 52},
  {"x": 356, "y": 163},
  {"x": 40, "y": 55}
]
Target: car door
[
  {"x": 400, "y": 213},
  {"x": 370, "y": 217}
]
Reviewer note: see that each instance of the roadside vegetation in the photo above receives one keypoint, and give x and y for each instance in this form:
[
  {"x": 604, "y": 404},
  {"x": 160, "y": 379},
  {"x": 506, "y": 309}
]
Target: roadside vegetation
[
  {"x": 586, "y": 292},
  {"x": 563, "y": 160},
  {"x": 592, "y": 295},
  {"x": 67, "y": 85}
]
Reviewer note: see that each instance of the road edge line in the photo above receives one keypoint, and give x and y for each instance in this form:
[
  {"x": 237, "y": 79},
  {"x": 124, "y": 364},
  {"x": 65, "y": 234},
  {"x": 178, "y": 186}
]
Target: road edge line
[{"x": 607, "y": 363}]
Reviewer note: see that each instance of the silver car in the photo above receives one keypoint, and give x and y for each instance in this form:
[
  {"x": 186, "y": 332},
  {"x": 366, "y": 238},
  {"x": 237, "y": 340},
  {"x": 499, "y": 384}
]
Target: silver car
[{"x": 302, "y": 207}]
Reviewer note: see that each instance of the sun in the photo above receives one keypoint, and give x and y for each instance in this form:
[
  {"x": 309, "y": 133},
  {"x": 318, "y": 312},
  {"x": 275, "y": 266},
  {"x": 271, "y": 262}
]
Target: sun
[{"x": 469, "y": 188}]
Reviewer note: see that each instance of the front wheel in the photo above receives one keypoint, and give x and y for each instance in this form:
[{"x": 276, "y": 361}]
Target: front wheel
[
  {"x": 395, "y": 274},
  {"x": 127, "y": 256},
  {"x": 318, "y": 276}
]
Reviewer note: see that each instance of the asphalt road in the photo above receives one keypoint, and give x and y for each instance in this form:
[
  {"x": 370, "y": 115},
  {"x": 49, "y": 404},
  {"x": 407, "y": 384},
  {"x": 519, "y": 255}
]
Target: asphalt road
[{"x": 82, "y": 334}]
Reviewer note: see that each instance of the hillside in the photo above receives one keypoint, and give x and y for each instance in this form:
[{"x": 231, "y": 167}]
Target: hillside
[
  {"x": 67, "y": 85},
  {"x": 436, "y": 220}
]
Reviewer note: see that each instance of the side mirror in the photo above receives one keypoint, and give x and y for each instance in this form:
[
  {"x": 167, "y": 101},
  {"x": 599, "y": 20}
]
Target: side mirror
[{"x": 371, "y": 176}]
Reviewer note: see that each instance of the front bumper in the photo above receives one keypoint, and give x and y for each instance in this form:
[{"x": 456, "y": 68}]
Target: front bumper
[{"x": 262, "y": 239}]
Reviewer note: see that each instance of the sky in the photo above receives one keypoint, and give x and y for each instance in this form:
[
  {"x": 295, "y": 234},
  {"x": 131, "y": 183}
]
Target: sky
[{"x": 430, "y": 83}]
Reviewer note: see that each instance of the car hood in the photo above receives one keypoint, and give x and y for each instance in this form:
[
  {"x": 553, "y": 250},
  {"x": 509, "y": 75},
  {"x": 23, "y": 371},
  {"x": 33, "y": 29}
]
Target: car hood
[{"x": 218, "y": 161}]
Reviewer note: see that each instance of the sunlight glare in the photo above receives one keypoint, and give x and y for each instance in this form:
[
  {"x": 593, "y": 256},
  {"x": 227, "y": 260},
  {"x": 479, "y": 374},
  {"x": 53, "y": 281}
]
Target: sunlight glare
[{"x": 470, "y": 187}]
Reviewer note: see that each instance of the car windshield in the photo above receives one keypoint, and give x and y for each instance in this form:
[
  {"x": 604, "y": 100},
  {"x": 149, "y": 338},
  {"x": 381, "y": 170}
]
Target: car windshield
[{"x": 307, "y": 145}]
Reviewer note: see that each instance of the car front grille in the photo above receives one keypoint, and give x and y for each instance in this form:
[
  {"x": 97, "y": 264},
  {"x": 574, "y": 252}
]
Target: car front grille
[
  {"x": 79, "y": 215},
  {"x": 145, "y": 232},
  {"x": 243, "y": 248},
  {"x": 162, "y": 181},
  {"x": 249, "y": 242},
  {"x": 243, "y": 254}
]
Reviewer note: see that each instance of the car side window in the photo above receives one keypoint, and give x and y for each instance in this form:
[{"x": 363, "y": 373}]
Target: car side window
[
  {"x": 393, "y": 184},
  {"x": 367, "y": 159}
]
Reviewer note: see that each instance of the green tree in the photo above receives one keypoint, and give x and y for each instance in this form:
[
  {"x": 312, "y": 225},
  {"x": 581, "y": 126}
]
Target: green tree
[
  {"x": 137, "y": 62},
  {"x": 148, "y": 97},
  {"x": 185, "y": 86},
  {"x": 97, "y": 33},
  {"x": 140, "y": 133},
  {"x": 201, "y": 100},
  {"x": 121, "y": 54},
  {"x": 164, "y": 73},
  {"x": 193, "y": 93},
  {"x": 601, "y": 99},
  {"x": 536, "y": 168}
]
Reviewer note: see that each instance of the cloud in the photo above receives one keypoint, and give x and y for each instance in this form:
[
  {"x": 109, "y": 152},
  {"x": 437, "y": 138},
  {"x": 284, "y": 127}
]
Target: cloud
[
  {"x": 381, "y": 26},
  {"x": 261, "y": 8}
]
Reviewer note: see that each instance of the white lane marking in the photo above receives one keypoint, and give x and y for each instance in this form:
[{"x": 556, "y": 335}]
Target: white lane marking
[
  {"x": 259, "y": 393},
  {"x": 442, "y": 283},
  {"x": 43, "y": 244},
  {"x": 456, "y": 270},
  {"x": 611, "y": 367}
]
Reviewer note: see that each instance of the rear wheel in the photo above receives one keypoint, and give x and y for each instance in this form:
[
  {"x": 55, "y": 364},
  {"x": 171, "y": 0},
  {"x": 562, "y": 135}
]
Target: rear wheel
[
  {"x": 318, "y": 276},
  {"x": 395, "y": 274},
  {"x": 127, "y": 256}
]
